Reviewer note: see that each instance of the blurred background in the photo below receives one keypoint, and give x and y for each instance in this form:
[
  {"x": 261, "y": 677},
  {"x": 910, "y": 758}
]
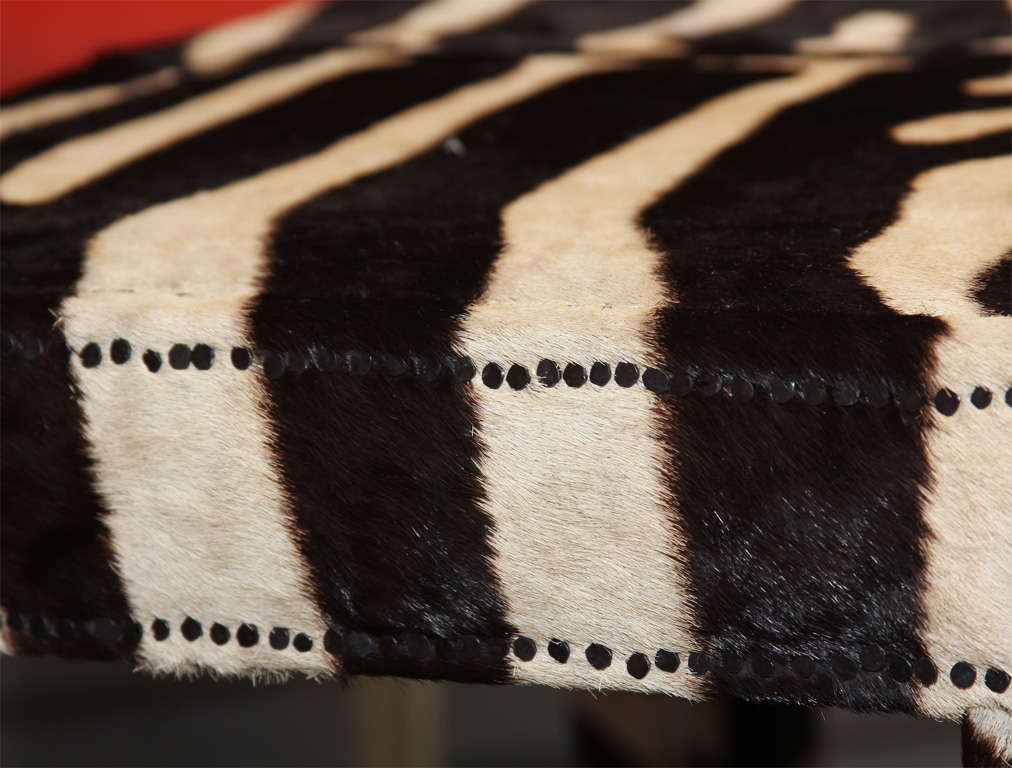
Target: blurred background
[{"x": 58, "y": 712}]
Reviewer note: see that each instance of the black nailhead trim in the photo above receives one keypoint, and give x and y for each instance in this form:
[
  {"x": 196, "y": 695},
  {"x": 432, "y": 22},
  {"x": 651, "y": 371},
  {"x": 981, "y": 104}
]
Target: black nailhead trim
[
  {"x": 846, "y": 394},
  {"x": 390, "y": 647},
  {"x": 274, "y": 365},
  {"x": 220, "y": 633},
  {"x": 1008, "y": 397},
  {"x": 707, "y": 384},
  {"x": 548, "y": 373},
  {"x": 825, "y": 688},
  {"x": 160, "y": 629},
  {"x": 324, "y": 359},
  {"x": 333, "y": 642},
  {"x": 119, "y": 351},
  {"x": 91, "y": 355},
  {"x": 31, "y": 347},
  {"x": 876, "y": 394},
  {"x": 781, "y": 391},
  {"x": 926, "y": 670},
  {"x": 732, "y": 662},
  {"x": 242, "y": 358},
  {"x": 656, "y": 381},
  {"x": 395, "y": 366},
  {"x": 699, "y": 664},
  {"x": 600, "y": 374},
  {"x": 247, "y": 635},
  {"x": 946, "y": 402},
  {"x": 626, "y": 374},
  {"x": 981, "y": 397},
  {"x": 179, "y": 356},
  {"x": 202, "y": 357},
  {"x": 359, "y": 363},
  {"x": 468, "y": 649},
  {"x": 681, "y": 384},
  {"x": 518, "y": 377},
  {"x": 464, "y": 369},
  {"x": 66, "y": 630},
  {"x": 742, "y": 390},
  {"x": 910, "y": 400},
  {"x": 426, "y": 368},
  {"x": 191, "y": 629},
  {"x": 899, "y": 669},
  {"x": 524, "y": 648},
  {"x": 495, "y": 648},
  {"x": 574, "y": 375},
  {"x": 152, "y": 360},
  {"x": 762, "y": 665},
  {"x": 302, "y": 642},
  {"x": 38, "y": 627},
  {"x": 492, "y": 376},
  {"x": 962, "y": 674},
  {"x": 667, "y": 661},
  {"x": 813, "y": 392},
  {"x": 107, "y": 632},
  {"x": 58, "y": 350},
  {"x": 997, "y": 680},
  {"x": 421, "y": 648},
  {"x": 844, "y": 666},
  {"x": 297, "y": 362},
  {"x": 803, "y": 666},
  {"x": 559, "y": 650},
  {"x": 278, "y": 638},
  {"x": 445, "y": 649},
  {"x": 638, "y": 665},
  {"x": 360, "y": 646},
  {"x": 872, "y": 659},
  {"x": 599, "y": 656},
  {"x": 8, "y": 344}
]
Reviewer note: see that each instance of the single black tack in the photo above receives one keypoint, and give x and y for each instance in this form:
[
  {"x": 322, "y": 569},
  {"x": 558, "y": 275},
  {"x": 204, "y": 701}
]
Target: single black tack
[
  {"x": 981, "y": 397},
  {"x": 666, "y": 661},
  {"x": 524, "y": 648},
  {"x": 962, "y": 674},
  {"x": 598, "y": 656},
  {"x": 492, "y": 376},
  {"x": 559, "y": 650},
  {"x": 220, "y": 633},
  {"x": 191, "y": 629},
  {"x": 600, "y": 374},
  {"x": 518, "y": 377},
  {"x": 91, "y": 355},
  {"x": 278, "y": 638},
  {"x": 548, "y": 373},
  {"x": 247, "y": 635},
  {"x": 242, "y": 358},
  {"x": 638, "y": 665},
  {"x": 179, "y": 356},
  {"x": 152, "y": 360},
  {"x": 574, "y": 375},
  {"x": 626, "y": 374},
  {"x": 946, "y": 402},
  {"x": 119, "y": 351},
  {"x": 202, "y": 357}
]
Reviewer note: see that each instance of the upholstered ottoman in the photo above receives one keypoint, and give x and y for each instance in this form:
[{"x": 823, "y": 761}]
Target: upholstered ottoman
[{"x": 647, "y": 345}]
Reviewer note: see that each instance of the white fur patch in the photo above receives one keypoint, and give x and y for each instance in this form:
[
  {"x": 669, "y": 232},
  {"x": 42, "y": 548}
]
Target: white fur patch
[
  {"x": 955, "y": 223},
  {"x": 588, "y": 544}
]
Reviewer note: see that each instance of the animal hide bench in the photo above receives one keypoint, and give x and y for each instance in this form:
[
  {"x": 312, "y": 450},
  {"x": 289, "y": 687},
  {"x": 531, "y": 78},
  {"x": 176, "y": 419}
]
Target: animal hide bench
[{"x": 655, "y": 346}]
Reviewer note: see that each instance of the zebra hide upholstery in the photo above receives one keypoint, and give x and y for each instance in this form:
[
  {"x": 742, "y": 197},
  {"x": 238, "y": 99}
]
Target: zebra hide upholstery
[{"x": 656, "y": 346}]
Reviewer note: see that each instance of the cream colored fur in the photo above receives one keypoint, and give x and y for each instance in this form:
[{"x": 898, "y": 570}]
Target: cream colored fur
[
  {"x": 35, "y": 113},
  {"x": 994, "y": 727},
  {"x": 166, "y": 443},
  {"x": 865, "y": 32},
  {"x": 666, "y": 35},
  {"x": 421, "y": 28},
  {"x": 955, "y": 223},
  {"x": 228, "y": 45},
  {"x": 588, "y": 545}
]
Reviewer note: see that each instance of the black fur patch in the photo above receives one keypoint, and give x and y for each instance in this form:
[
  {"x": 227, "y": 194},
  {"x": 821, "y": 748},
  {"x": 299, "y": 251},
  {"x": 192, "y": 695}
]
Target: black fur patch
[
  {"x": 979, "y": 749},
  {"x": 992, "y": 288},
  {"x": 382, "y": 469},
  {"x": 56, "y": 558},
  {"x": 556, "y": 25},
  {"x": 803, "y": 522},
  {"x": 939, "y": 26},
  {"x": 53, "y": 539}
]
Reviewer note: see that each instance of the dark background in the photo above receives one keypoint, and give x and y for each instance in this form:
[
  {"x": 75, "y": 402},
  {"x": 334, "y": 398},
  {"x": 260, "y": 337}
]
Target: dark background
[{"x": 58, "y": 712}]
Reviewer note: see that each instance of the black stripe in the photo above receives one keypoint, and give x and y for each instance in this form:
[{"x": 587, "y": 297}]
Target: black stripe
[
  {"x": 55, "y": 555},
  {"x": 330, "y": 28},
  {"x": 381, "y": 469},
  {"x": 992, "y": 288},
  {"x": 804, "y": 527},
  {"x": 940, "y": 26},
  {"x": 556, "y": 25}
]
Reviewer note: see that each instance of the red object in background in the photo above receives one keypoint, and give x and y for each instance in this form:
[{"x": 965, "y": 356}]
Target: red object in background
[{"x": 44, "y": 38}]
